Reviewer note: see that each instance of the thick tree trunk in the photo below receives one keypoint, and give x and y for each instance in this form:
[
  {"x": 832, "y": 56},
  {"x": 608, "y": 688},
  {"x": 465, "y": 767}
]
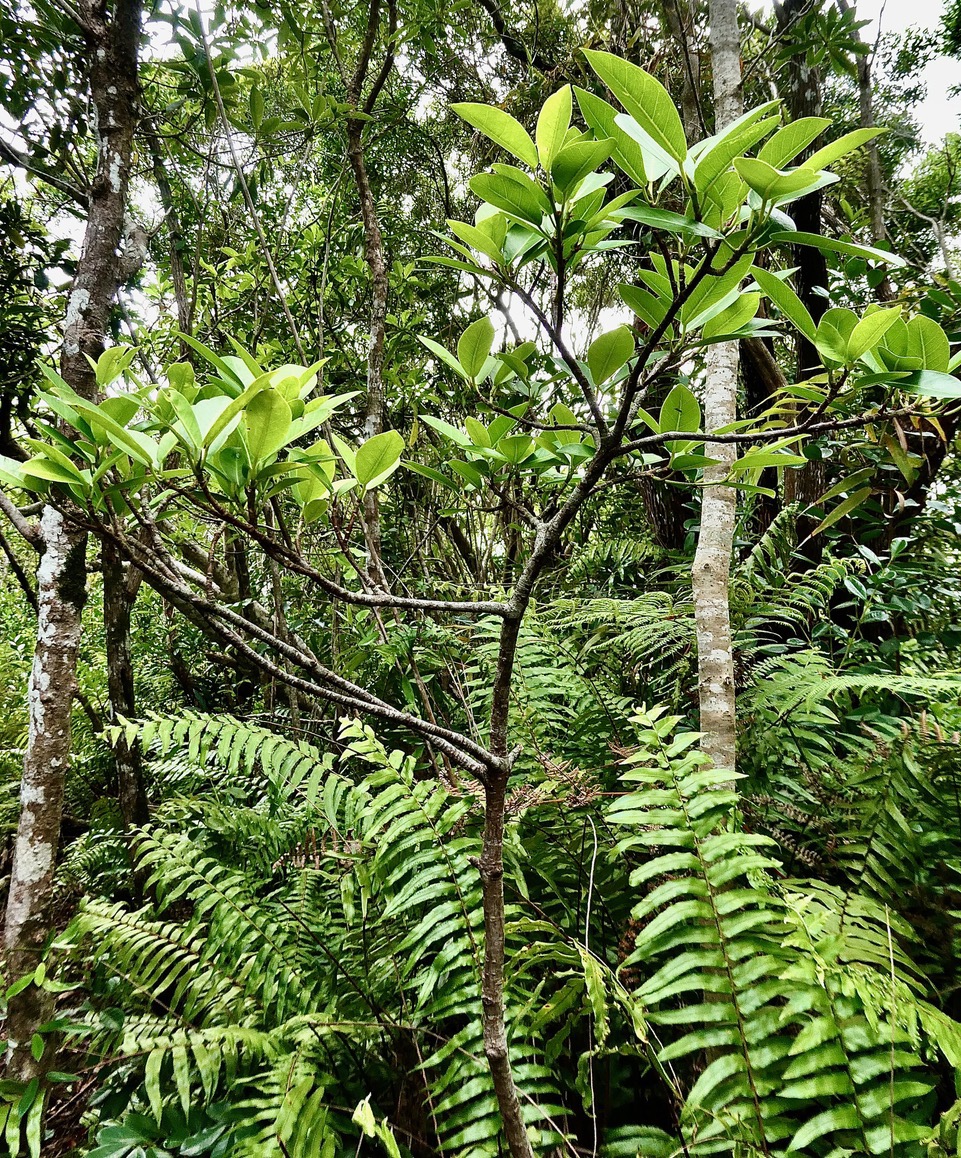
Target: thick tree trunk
[
  {"x": 112, "y": 46},
  {"x": 712, "y": 559},
  {"x": 61, "y": 595}
]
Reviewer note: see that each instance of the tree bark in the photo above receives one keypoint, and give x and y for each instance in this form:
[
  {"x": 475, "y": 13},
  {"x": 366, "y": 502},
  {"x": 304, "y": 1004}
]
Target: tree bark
[
  {"x": 112, "y": 47},
  {"x": 712, "y": 558},
  {"x": 61, "y": 593}
]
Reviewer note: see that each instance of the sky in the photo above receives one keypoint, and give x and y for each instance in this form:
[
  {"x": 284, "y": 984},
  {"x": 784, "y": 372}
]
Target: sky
[{"x": 940, "y": 113}]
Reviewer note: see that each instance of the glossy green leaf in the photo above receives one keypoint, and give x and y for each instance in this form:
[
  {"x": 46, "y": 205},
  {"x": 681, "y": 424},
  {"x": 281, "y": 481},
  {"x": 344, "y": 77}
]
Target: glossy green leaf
[
  {"x": 609, "y": 352},
  {"x": 266, "y": 423},
  {"x": 552, "y": 125},
  {"x": 501, "y": 128},
  {"x": 834, "y": 245},
  {"x": 841, "y": 147},
  {"x": 732, "y": 142},
  {"x": 932, "y": 384},
  {"x": 833, "y": 332},
  {"x": 645, "y": 98},
  {"x": 680, "y": 410},
  {"x": 573, "y": 163},
  {"x": 665, "y": 219},
  {"x": 842, "y": 509},
  {"x": 378, "y": 458},
  {"x": 787, "y": 301},
  {"x": 927, "y": 341},
  {"x": 869, "y": 331},
  {"x": 474, "y": 346},
  {"x": 793, "y": 139},
  {"x": 526, "y": 201},
  {"x": 601, "y": 118}
]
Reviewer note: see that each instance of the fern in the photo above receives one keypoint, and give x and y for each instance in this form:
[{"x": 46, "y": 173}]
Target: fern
[
  {"x": 290, "y": 986},
  {"x": 803, "y": 1003}
]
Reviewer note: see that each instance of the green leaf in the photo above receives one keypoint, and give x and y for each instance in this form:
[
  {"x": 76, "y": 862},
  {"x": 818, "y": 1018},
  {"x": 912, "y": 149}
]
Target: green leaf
[
  {"x": 266, "y": 422},
  {"x": 734, "y": 318},
  {"x": 842, "y": 509},
  {"x": 645, "y": 98},
  {"x": 794, "y": 138},
  {"x": 657, "y": 160},
  {"x": 524, "y": 200},
  {"x": 665, "y": 219},
  {"x": 477, "y": 239},
  {"x": 827, "y": 1122},
  {"x": 771, "y": 184},
  {"x": 833, "y": 245},
  {"x": 710, "y": 296},
  {"x": 552, "y": 125},
  {"x": 430, "y": 473},
  {"x": 214, "y": 359},
  {"x": 501, "y": 128},
  {"x": 834, "y": 329},
  {"x": 575, "y": 161},
  {"x": 609, "y": 352},
  {"x": 601, "y": 118},
  {"x": 787, "y": 301},
  {"x": 870, "y": 330},
  {"x": 445, "y": 355},
  {"x": 256, "y": 107},
  {"x": 680, "y": 411},
  {"x": 515, "y": 447},
  {"x": 927, "y": 341},
  {"x": 760, "y": 459},
  {"x": 446, "y": 429},
  {"x": 732, "y": 142},
  {"x": 474, "y": 346},
  {"x": 932, "y": 384},
  {"x": 378, "y": 458},
  {"x": 841, "y": 147}
]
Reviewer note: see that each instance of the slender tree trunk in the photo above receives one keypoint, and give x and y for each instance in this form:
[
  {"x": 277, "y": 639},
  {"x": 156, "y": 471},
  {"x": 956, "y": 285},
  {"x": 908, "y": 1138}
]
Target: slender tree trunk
[
  {"x": 112, "y": 46},
  {"x": 873, "y": 177},
  {"x": 119, "y": 594},
  {"x": 712, "y": 559},
  {"x": 805, "y": 484},
  {"x": 676, "y": 15},
  {"x": 377, "y": 264}
]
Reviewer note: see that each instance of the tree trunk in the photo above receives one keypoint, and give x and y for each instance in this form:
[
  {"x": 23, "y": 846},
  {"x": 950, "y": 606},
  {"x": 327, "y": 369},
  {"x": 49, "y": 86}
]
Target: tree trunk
[
  {"x": 377, "y": 264},
  {"x": 119, "y": 593},
  {"x": 712, "y": 559},
  {"x": 61, "y": 591},
  {"x": 873, "y": 177},
  {"x": 805, "y": 484},
  {"x": 112, "y": 46}
]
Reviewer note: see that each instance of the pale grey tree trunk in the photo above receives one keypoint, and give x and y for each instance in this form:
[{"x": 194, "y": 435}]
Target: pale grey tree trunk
[
  {"x": 61, "y": 592},
  {"x": 712, "y": 559},
  {"x": 112, "y": 37}
]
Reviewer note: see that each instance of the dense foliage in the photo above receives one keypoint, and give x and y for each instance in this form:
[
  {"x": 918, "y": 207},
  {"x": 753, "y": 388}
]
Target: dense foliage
[{"x": 389, "y": 822}]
